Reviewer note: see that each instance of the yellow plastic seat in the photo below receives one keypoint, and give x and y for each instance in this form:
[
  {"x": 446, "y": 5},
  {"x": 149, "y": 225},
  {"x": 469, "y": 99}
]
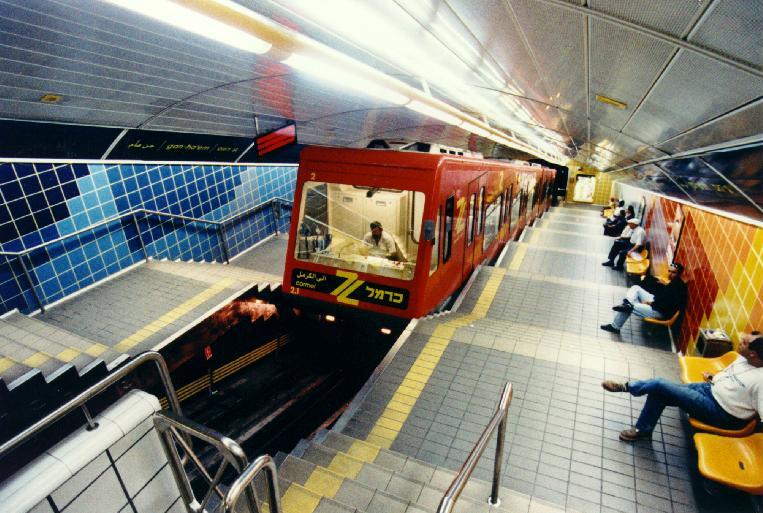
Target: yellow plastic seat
[
  {"x": 637, "y": 267},
  {"x": 607, "y": 212},
  {"x": 746, "y": 430},
  {"x": 668, "y": 323},
  {"x": 734, "y": 462},
  {"x": 692, "y": 367}
]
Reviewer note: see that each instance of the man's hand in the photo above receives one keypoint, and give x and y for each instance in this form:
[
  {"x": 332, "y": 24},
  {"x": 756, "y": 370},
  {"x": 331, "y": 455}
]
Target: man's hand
[{"x": 707, "y": 377}]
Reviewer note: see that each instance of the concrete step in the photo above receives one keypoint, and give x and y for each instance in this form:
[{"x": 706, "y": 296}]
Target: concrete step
[
  {"x": 60, "y": 343},
  {"x": 205, "y": 272},
  {"x": 407, "y": 479}
]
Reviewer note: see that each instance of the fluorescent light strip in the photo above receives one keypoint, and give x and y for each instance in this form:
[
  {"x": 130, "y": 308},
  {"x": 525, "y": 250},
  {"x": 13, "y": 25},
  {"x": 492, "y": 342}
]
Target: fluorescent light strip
[
  {"x": 434, "y": 112},
  {"x": 340, "y": 76},
  {"x": 193, "y": 21}
]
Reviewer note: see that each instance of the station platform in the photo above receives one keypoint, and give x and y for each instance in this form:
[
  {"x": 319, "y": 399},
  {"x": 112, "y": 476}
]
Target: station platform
[
  {"x": 534, "y": 321},
  {"x": 141, "y": 309}
]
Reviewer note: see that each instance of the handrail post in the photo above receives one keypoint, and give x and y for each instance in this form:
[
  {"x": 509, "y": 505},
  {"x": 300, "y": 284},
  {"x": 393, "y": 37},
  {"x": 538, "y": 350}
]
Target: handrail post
[
  {"x": 31, "y": 284},
  {"x": 140, "y": 237},
  {"x": 224, "y": 242},
  {"x": 498, "y": 463}
]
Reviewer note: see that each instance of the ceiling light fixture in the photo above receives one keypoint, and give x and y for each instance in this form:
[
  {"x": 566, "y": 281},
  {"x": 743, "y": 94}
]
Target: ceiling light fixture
[
  {"x": 611, "y": 101},
  {"x": 342, "y": 76},
  {"x": 196, "y": 22}
]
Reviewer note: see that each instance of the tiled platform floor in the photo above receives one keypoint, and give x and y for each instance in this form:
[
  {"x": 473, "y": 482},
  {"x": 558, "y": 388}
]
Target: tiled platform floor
[{"x": 541, "y": 332}]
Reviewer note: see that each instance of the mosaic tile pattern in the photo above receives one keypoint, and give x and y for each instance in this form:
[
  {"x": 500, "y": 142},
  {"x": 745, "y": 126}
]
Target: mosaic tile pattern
[
  {"x": 45, "y": 201},
  {"x": 724, "y": 268}
]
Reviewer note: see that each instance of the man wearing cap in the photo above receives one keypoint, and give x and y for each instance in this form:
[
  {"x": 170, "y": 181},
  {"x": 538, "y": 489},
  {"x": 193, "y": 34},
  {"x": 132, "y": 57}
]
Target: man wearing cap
[
  {"x": 632, "y": 238},
  {"x": 655, "y": 299},
  {"x": 379, "y": 242}
]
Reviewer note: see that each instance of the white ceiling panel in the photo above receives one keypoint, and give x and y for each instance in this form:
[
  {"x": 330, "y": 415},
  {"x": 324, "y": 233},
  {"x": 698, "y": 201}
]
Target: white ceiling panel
[
  {"x": 693, "y": 90},
  {"x": 734, "y": 28},
  {"x": 668, "y": 16}
]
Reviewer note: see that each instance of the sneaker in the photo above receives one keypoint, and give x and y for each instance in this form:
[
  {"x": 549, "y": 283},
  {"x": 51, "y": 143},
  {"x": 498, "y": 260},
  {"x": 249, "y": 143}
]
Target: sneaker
[
  {"x": 614, "y": 386},
  {"x": 609, "y": 328},
  {"x": 623, "y": 308},
  {"x": 633, "y": 434},
  {"x": 608, "y": 263}
]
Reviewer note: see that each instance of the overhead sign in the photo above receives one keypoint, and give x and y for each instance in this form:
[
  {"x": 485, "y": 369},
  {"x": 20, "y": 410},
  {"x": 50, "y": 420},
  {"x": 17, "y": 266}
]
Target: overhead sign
[{"x": 156, "y": 146}]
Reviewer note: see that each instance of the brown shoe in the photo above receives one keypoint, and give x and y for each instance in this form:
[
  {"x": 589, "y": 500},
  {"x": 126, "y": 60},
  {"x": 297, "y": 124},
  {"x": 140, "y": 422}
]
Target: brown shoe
[
  {"x": 614, "y": 386},
  {"x": 633, "y": 434}
]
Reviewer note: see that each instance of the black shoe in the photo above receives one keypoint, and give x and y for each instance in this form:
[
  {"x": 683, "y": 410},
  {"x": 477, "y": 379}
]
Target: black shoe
[
  {"x": 608, "y": 263},
  {"x": 610, "y": 328},
  {"x": 633, "y": 434},
  {"x": 623, "y": 308}
]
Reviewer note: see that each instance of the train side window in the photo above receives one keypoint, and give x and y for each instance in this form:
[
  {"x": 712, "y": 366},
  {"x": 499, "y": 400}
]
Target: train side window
[
  {"x": 492, "y": 219},
  {"x": 435, "y": 258},
  {"x": 480, "y": 213},
  {"x": 447, "y": 238},
  {"x": 472, "y": 214},
  {"x": 507, "y": 211}
]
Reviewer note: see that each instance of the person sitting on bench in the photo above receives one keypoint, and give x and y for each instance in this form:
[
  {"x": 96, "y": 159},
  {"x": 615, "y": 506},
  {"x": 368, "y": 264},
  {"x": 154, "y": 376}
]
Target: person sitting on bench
[
  {"x": 651, "y": 299},
  {"x": 727, "y": 400},
  {"x": 632, "y": 238}
]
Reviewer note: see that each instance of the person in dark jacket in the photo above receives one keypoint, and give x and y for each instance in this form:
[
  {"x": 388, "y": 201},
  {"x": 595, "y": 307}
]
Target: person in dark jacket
[
  {"x": 614, "y": 227},
  {"x": 653, "y": 299}
]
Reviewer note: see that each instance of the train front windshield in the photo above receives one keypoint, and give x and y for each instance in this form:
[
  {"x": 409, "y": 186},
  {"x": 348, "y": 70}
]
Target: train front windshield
[{"x": 338, "y": 228}]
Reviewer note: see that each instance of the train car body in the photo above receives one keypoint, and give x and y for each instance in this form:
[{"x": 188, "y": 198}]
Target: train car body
[{"x": 445, "y": 214}]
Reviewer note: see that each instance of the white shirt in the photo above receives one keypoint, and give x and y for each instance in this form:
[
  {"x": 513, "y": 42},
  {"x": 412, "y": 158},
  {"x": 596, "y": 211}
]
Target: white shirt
[
  {"x": 638, "y": 236},
  {"x": 626, "y": 233},
  {"x": 739, "y": 389},
  {"x": 384, "y": 247}
]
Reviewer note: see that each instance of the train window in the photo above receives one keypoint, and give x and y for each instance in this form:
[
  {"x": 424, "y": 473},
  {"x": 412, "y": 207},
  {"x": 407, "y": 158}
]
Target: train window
[
  {"x": 447, "y": 237},
  {"x": 335, "y": 228},
  {"x": 492, "y": 220},
  {"x": 507, "y": 211},
  {"x": 516, "y": 205},
  {"x": 472, "y": 209},
  {"x": 434, "y": 260},
  {"x": 480, "y": 213}
]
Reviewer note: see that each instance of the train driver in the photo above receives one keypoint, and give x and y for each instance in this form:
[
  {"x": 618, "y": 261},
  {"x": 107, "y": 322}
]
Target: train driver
[{"x": 379, "y": 242}]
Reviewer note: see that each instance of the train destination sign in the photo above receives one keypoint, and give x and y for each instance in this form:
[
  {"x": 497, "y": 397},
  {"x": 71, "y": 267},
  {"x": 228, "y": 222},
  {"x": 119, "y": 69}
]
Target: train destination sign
[{"x": 349, "y": 289}]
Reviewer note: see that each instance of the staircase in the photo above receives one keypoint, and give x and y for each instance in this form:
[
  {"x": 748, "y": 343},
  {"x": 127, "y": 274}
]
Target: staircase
[{"x": 336, "y": 473}]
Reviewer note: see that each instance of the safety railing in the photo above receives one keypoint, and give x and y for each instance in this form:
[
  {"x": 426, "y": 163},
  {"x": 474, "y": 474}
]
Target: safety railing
[
  {"x": 174, "y": 431},
  {"x": 220, "y": 227},
  {"x": 80, "y": 401},
  {"x": 456, "y": 487}
]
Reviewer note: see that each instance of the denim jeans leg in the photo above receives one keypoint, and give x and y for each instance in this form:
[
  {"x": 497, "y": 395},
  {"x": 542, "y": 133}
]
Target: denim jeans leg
[
  {"x": 694, "y": 398},
  {"x": 643, "y": 310},
  {"x": 620, "y": 318}
]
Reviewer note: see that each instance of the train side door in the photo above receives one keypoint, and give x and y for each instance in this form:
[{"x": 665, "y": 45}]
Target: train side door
[{"x": 472, "y": 217}]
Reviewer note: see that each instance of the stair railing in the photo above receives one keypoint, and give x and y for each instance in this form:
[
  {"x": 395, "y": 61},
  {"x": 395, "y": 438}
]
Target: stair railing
[
  {"x": 498, "y": 420},
  {"x": 220, "y": 227},
  {"x": 175, "y": 430},
  {"x": 80, "y": 401}
]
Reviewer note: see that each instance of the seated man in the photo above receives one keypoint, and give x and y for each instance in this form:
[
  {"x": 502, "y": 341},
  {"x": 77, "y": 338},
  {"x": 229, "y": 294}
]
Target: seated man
[
  {"x": 613, "y": 228},
  {"x": 380, "y": 243},
  {"x": 727, "y": 400},
  {"x": 632, "y": 238},
  {"x": 654, "y": 299}
]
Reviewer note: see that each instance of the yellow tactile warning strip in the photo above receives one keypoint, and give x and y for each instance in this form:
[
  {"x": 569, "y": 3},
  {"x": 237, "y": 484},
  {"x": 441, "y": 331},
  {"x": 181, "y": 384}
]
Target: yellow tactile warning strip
[
  {"x": 36, "y": 360},
  {"x": 146, "y": 331},
  {"x": 298, "y": 499},
  {"x": 519, "y": 256},
  {"x": 399, "y": 407},
  {"x": 6, "y": 363}
]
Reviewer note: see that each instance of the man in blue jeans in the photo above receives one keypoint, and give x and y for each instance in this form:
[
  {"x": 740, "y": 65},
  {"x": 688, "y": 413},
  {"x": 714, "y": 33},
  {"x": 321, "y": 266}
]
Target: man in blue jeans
[
  {"x": 651, "y": 299},
  {"x": 727, "y": 400}
]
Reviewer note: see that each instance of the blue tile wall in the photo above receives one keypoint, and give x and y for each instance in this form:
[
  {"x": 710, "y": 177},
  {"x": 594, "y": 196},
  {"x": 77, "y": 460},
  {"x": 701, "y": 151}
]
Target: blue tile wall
[{"x": 42, "y": 202}]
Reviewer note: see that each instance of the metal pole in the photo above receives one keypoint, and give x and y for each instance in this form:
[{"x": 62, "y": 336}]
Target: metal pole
[
  {"x": 498, "y": 463},
  {"x": 31, "y": 284},
  {"x": 221, "y": 234},
  {"x": 140, "y": 237}
]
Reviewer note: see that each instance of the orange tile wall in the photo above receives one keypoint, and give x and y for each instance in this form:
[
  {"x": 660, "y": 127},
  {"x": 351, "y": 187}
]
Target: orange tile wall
[{"x": 724, "y": 269}]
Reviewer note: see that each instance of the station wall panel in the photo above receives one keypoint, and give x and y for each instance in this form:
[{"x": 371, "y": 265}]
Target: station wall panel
[
  {"x": 43, "y": 202},
  {"x": 723, "y": 261},
  {"x": 603, "y": 189}
]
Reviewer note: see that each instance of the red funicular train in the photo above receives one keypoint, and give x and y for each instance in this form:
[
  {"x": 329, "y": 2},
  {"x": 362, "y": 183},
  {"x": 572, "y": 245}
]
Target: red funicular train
[{"x": 441, "y": 216}]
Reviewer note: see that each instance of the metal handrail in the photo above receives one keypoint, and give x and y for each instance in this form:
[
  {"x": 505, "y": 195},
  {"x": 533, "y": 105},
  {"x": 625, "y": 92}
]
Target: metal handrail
[
  {"x": 80, "y": 400},
  {"x": 455, "y": 489},
  {"x": 131, "y": 213},
  {"x": 174, "y": 429},
  {"x": 244, "y": 481},
  {"x": 219, "y": 225}
]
